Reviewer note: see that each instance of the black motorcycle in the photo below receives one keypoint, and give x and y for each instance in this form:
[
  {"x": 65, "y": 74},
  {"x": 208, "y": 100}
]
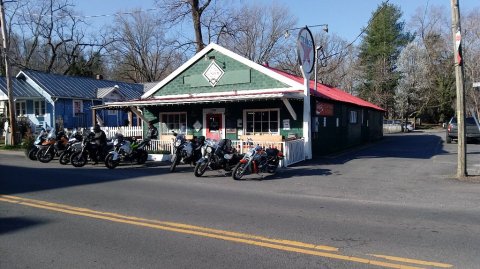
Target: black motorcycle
[
  {"x": 185, "y": 151},
  {"x": 217, "y": 156},
  {"x": 127, "y": 150},
  {"x": 74, "y": 144},
  {"x": 90, "y": 151}
]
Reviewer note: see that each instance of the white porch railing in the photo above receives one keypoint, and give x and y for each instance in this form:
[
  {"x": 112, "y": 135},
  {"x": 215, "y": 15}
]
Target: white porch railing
[
  {"x": 127, "y": 131},
  {"x": 160, "y": 146},
  {"x": 294, "y": 151}
]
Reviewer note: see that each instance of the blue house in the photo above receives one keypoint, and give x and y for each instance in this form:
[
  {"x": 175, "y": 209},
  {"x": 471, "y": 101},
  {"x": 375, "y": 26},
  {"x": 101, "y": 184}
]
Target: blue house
[{"x": 48, "y": 100}]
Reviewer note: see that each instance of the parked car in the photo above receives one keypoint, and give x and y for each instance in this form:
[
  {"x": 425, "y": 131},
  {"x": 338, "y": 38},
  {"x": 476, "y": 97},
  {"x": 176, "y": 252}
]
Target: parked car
[{"x": 472, "y": 131}]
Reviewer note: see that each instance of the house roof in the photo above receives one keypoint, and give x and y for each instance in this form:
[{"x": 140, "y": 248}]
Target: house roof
[
  {"x": 20, "y": 88},
  {"x": 103, "y": 92},
  {"x": 77, "y": 87},
  {"x": 331, "y": 93}
]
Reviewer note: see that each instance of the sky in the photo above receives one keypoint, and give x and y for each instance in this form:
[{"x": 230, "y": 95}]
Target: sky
[{"x": 345, "y": 18}]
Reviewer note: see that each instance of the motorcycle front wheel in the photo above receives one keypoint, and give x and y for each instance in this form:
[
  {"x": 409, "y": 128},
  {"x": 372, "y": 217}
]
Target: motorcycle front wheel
[
  {"x": 200, "y": 168},
  {"x": 32, "y": 154},
  {"x": 175, "y": 161},
  {"x": 78, "y": 159},
  {"x": 239, "y": 171},
  {"x": 44, "y": 155},
  {"x": 64, "y": 157},
  {"x": 110, "y": 163}
]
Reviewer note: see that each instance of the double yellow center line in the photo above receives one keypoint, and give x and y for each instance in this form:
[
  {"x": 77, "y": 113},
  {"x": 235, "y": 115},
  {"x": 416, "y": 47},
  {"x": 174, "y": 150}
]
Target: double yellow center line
[{"x": 279, "y": 244}]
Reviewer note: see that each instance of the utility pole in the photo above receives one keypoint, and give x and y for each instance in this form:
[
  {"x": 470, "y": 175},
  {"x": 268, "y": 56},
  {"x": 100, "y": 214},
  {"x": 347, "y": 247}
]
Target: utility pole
[
  {"x": 11, "y": 104},
  {"x": 457, "y": 38}
]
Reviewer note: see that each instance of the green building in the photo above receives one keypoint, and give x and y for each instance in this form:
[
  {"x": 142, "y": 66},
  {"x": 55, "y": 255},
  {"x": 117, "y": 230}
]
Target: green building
[{"x": 220, "y": 94}]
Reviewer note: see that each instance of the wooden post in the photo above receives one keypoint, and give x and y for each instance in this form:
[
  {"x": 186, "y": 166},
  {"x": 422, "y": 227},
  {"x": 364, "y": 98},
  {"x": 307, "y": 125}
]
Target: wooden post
[
  {"x": 462, "y": 147},
  {"x": 94, "y": 116},
  {"x": 11, "y": 104}
]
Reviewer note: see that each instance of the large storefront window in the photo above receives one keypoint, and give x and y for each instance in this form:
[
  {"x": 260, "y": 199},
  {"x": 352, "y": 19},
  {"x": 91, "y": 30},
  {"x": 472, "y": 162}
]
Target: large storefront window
[
  {"x": 262, "y": 121},
  {"x": 173, "y": 122}
]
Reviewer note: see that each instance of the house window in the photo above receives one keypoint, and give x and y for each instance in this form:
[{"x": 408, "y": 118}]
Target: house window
[
  {"x": 112, "y": 112},
  {"x": 173, "y": 122},
  {"x": 20, "y": 108},
  {"x": 77, "y": 107},
  {"x": 262, "y": 121},
  {"x": 353, "y": 116},
  {"x": 39, "y": 108}
]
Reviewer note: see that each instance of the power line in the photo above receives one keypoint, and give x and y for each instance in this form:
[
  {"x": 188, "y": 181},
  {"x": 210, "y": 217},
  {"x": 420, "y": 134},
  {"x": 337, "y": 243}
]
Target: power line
[{"x": 96, "y": 16}]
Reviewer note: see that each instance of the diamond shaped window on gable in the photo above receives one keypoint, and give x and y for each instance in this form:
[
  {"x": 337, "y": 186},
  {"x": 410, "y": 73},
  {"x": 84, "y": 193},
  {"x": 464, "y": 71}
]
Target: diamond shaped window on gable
[{"x": 213, "y": 73}]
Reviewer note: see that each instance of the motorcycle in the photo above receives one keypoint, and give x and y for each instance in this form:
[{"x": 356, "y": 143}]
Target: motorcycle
[
  {"x": 126, "y": 150},
  {"x": 32, "y": 152},
  {"x": 52, "y": 146},
  {"x": 217, "y": 156},
  {"x": 185, "y": 151},
  {"x": 89, "y": 151},
  {"x": 74, "y": 144},
  {"x": 258, "y": 160}
]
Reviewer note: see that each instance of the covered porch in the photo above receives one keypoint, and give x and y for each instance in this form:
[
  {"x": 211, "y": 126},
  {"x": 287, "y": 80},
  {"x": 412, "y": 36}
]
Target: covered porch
[{"x": 265, "y": 118}]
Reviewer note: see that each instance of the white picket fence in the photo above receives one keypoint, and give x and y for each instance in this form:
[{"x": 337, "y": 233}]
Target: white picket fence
[{"x": 127, "y": 131}]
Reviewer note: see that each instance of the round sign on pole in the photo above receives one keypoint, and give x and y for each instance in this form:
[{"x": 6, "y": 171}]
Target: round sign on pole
[{"x": 306, "y": 51}]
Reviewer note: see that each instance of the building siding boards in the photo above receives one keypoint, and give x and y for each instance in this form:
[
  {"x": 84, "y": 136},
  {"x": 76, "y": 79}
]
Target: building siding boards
[{"x": 192, "y": 80}]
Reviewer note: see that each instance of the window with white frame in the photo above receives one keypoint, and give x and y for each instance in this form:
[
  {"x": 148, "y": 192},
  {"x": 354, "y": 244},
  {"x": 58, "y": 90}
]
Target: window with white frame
[
  {"x": 20, "y": 108},
  {"x": 173, "y": 121},
  {"x": 39, "y": 108},
  {"x": 77, "y": 107},
  {"x": 262, "y": 121},
  {"x": 353, "y": 116}
]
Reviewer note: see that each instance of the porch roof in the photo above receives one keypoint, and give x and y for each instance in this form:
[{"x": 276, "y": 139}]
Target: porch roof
[{"x": 234, "y": 96}]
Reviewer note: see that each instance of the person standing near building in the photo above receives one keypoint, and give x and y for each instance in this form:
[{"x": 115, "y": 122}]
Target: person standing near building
[{"x": 152, "y": 132}]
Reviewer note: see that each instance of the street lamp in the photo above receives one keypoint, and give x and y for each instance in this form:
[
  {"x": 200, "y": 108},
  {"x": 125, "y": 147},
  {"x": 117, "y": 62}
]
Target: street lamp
[
  {"x": 325, "y": 28},
  {"x": 317, "y": 49}
]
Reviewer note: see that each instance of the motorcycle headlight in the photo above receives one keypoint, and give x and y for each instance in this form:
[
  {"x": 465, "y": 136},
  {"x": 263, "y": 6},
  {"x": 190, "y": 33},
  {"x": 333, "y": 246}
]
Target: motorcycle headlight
[{"x": 209, "y": 149}]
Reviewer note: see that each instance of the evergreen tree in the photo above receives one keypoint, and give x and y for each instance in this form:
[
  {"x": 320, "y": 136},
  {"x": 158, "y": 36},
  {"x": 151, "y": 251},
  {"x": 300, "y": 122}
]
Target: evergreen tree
[{"x": 379, "y": 50}]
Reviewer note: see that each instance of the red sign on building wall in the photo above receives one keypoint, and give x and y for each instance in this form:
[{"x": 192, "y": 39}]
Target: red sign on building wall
[{"x": 324, "y": 109}]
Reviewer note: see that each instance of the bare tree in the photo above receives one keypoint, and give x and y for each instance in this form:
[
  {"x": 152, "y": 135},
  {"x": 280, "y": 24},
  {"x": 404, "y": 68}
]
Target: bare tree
[
  {"x": 471, "y": 55},
  {"x": 141, "y": 52},
  {"x": 177, "y": 11},
  {"x": 48, "y": 35},
  {"x": 259, "y": 34},
  {"x": 412, "y": 91},
  {"x": 432, "y": 29}
]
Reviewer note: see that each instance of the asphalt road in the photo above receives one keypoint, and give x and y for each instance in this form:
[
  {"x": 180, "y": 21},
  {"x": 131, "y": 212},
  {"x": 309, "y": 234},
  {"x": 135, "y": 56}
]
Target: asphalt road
[{"x": 390, "y": 204}]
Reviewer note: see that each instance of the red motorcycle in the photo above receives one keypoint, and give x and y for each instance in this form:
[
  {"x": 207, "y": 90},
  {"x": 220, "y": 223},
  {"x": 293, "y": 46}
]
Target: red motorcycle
[{"x": 258, "y": 160}]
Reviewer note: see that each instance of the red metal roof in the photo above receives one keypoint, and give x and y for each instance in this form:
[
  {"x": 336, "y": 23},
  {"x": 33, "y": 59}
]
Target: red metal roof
[{"x": 331, "y": 93}]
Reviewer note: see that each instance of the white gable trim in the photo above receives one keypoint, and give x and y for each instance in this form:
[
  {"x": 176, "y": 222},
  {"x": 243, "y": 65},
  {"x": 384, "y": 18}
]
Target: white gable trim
[
  {"x": 37, "y": 87},
  {"x": 213, "y": 46}
]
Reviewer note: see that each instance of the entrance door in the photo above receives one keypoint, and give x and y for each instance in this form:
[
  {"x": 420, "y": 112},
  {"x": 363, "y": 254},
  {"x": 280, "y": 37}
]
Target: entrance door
[{"x": 214, "y": 126}]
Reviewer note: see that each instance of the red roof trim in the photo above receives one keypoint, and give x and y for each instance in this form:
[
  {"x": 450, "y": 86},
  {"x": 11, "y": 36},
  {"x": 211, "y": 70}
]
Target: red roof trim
[{"x": 327, "y": 92}]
